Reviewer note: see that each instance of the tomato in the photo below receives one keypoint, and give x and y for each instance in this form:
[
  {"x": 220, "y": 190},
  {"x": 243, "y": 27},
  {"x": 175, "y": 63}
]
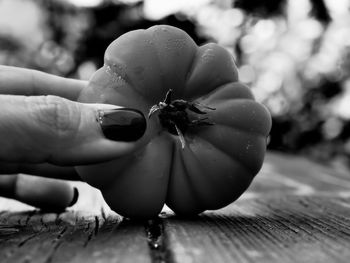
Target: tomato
[{"x": 204, "y": 143}]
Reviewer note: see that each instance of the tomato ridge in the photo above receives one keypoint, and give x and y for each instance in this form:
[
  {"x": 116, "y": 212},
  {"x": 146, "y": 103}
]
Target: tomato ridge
[{"x": 241, "y": 161}]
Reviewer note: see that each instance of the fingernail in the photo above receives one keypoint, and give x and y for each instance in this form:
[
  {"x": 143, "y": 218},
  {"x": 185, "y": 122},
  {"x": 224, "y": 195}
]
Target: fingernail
[
  {"x": 123, "y": 124},
  {"x": 75, "y": 197}
]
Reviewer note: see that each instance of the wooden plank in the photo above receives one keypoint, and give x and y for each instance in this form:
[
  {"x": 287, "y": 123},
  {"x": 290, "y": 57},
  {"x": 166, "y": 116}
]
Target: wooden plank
[
  {"x": 264, "y": 231},
  {"x": 295, "y": 211},
  {"x": 124, "y": 241},
  {"x": 78, "y": 235}
]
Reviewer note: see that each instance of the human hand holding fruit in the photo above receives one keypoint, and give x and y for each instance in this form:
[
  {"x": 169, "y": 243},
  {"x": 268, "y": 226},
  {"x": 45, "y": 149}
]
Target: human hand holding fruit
[
  {"x": 205, "y": 138},
  {"x": 44, "y": 132}
]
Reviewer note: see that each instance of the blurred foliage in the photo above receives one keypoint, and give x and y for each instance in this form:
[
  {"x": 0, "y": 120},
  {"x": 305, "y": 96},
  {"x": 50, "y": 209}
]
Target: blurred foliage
[{"x": 295, "y": 54}]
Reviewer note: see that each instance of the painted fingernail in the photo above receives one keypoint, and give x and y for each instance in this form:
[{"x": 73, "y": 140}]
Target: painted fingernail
[
  {"x": 123, "y": 124},
  {"x": 75, "y": 197}
]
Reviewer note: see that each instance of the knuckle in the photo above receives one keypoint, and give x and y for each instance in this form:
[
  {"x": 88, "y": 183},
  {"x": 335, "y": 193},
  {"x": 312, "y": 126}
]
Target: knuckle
[{"x": 58, "y": 115}]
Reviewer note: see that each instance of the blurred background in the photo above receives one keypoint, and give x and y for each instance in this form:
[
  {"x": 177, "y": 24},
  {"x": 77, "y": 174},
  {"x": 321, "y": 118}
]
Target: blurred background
[{"x": 294, "y": 54}]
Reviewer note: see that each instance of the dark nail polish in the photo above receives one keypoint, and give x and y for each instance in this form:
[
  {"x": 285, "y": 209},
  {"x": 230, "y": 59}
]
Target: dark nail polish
[
  {"x": 75, "y": 197},
  {"x": 122, "y": 124}
]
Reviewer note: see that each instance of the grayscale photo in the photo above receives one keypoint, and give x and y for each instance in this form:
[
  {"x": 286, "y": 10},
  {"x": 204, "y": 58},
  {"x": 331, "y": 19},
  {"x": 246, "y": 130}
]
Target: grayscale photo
[{"x": 179, "y": 131}]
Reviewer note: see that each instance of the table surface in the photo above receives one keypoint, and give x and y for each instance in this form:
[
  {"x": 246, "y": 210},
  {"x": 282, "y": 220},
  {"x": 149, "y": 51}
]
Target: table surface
[{"x": 294, "y": 211}]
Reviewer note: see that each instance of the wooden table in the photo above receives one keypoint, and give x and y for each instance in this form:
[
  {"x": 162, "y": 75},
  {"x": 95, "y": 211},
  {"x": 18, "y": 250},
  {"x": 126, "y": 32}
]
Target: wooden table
[{"x": 295, "y": 211}]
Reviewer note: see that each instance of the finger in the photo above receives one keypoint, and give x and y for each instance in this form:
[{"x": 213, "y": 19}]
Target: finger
[
  {"x": 46, "y": 194},
  {"x": 40, "y": 129},
  {"x": 41, "y": 169},
  {"x": 20, "y": 81}
]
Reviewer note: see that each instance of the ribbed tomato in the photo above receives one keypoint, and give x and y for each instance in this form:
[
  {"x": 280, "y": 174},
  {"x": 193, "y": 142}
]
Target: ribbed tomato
[{"x": 204, "y": 143}]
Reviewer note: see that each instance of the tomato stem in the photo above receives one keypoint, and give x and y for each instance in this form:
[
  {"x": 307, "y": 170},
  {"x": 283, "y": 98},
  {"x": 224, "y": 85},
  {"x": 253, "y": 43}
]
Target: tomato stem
[{"x": 179, "y": 115}]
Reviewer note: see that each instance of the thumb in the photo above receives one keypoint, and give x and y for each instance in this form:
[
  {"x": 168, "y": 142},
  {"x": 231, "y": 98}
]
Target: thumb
[{"x": 52, "y": 129}]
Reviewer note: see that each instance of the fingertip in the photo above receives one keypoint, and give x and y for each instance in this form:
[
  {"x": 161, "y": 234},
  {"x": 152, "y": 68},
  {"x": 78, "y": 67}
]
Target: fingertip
[
  {"x": 49, "y": 195},
  {"x": 122, "y": 124},
  {"x": 75, "y": 197},
  {"x": 117, "y": 123},
  {"x": 105, "y": 133}
]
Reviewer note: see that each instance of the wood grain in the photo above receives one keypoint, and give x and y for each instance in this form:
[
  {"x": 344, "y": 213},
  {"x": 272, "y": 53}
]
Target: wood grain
[
  {"x": 295, "y": 211},
  {"x": 78, "y": 235}
]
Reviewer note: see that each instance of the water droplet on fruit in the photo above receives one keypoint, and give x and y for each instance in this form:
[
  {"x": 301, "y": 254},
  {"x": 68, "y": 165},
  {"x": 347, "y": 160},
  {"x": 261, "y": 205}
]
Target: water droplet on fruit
[
  {"x": 208, "y": 55},
  {"x": 117, "y": 73}
]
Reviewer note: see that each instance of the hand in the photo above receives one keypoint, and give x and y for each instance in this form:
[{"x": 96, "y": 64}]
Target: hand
[{"x": 44, "y": 132}]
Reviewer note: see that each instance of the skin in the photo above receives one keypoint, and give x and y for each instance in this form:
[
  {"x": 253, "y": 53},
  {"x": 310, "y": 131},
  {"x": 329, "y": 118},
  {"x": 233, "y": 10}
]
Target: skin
[{"x": 45, "y": 132}]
